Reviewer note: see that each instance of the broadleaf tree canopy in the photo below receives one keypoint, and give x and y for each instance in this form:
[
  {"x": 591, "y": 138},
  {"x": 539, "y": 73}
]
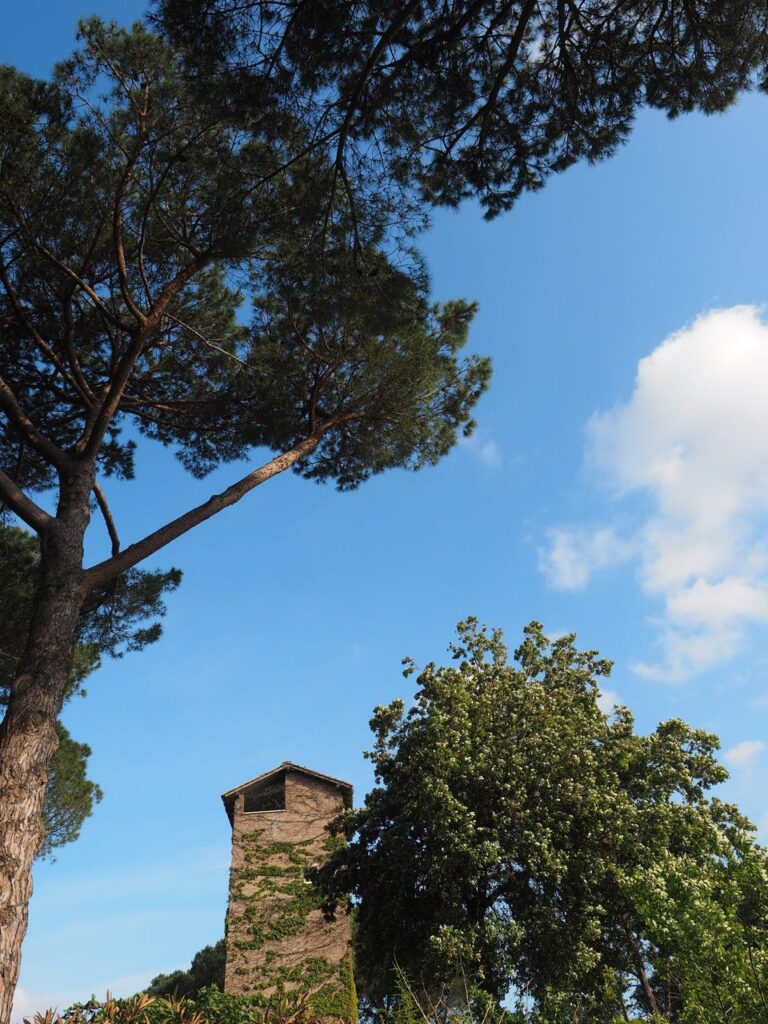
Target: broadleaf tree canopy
[{"x": 513, "y": 843}]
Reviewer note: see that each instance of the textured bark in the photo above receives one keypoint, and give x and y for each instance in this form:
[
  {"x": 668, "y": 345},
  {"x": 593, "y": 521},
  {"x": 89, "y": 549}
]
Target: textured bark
[{"x": 28, "y": 737}]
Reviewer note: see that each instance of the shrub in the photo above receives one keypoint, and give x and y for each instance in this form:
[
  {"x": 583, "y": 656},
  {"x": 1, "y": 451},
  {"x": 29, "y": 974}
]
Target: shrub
[{"x": 209, "y": 1006}]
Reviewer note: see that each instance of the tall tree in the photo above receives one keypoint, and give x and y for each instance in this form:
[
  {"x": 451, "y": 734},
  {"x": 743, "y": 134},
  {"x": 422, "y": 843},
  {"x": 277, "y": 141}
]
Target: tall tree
[
  {"x": 517, "y": 838},
  {"x": 136, "y": 215}
]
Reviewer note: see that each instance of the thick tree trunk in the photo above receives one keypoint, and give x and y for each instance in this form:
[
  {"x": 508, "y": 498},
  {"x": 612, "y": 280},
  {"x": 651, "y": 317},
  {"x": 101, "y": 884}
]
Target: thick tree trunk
[{"x": 28, "y": 737}]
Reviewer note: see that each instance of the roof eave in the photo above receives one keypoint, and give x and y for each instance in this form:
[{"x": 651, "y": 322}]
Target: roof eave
[{"x": 230, "y": 796}]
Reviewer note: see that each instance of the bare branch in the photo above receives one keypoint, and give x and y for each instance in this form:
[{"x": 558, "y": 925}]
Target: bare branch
[
  {"x": 208, "y": 343},
  {"x": 24, "y": 426},
  {"x": 126, "y": 364},
  {"x": 18, "y": 502},
  {"x": 107, "y": 515},
  {"x": 105, "y": 572}
]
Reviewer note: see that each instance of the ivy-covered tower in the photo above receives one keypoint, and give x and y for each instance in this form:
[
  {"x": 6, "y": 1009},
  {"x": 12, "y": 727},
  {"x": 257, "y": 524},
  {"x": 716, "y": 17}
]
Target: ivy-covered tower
[{"x": 277, "y": 936}]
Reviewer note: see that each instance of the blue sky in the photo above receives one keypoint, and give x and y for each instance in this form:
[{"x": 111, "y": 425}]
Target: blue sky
[{"x": 617, "y": 486}]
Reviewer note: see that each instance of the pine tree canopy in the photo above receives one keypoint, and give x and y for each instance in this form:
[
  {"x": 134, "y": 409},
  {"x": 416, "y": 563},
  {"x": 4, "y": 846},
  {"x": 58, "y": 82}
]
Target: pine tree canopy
[
  {"x": 140, "y": 224},
  {"x": 481, "y": 98}
]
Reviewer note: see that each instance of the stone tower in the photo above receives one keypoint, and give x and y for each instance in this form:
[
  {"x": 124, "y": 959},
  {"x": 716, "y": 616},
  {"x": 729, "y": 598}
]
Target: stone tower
[{"x": 277, "y": 936}]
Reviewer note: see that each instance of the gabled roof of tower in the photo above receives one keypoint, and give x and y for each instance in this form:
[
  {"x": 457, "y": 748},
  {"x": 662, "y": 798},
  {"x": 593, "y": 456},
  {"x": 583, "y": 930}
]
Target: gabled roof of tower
[{"x": 231, "y": 794}]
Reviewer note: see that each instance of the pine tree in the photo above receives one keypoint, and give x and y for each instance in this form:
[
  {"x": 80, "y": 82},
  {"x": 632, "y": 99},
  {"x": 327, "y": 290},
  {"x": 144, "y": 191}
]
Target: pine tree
[{"x": 136, "y": 215}]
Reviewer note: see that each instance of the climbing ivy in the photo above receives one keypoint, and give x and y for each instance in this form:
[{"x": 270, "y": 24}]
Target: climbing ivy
[{"x": 274, "y": 898}]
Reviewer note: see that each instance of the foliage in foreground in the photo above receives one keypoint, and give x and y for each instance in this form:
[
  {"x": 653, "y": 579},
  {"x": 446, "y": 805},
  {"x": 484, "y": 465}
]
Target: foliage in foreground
[
  {"x": 208, "y": 1006},
  {"x": 522, "y": 840}
]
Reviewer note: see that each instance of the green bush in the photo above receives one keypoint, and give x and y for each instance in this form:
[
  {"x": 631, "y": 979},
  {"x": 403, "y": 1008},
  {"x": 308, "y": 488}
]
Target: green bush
[{"x": 209, "y": 1006}]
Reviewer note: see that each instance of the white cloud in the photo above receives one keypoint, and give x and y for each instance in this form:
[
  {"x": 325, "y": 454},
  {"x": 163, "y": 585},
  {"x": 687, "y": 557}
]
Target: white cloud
[
  {"x": 718, "y": 603},
  {"x": 692, "y": 441},
  {"x": 607, "y": 700},
  {"x": 485, "y": 450},
  {"x": 744, "y": 753},
  {"x": 573, "y": 556},
  {"x": 685, "y": 654}
]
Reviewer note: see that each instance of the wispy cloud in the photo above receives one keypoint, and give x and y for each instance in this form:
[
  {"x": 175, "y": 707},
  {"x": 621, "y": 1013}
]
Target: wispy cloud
[
  {"x": 572, "y": 556},
  {"x": 484, "y": 449},
  {"x": 692, "y": 444},
  {"x": 607, "y": 701},
  {"x": 744, "y": 753}
]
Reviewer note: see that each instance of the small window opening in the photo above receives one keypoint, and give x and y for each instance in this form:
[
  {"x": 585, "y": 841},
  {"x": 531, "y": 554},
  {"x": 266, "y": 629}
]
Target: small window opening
[{"x": 266, "y": 798}]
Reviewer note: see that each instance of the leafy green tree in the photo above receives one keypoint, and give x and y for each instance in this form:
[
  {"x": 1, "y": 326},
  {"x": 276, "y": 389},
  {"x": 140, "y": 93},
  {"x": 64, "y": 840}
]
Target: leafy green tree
[
  {"x": 137, "y": 215},
  {"x": 706, "y": 923},
  {"x": 207, "y": 969},
  {"x": 515, "y": 835}
]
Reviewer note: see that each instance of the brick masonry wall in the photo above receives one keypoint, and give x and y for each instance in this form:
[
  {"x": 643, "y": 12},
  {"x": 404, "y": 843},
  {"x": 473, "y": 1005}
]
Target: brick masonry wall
[{"x": 275, "y": 933}]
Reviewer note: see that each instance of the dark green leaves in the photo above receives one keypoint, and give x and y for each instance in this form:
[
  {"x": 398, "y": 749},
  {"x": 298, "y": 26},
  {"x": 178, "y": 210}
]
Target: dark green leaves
[
  {"x": 70, "y": 795},
  {"x": 356, "y": 346},
  {"x": 206, "y": 969},
  {"x": 482, "y": 98},
  {"x": 138, "y": 206}
]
